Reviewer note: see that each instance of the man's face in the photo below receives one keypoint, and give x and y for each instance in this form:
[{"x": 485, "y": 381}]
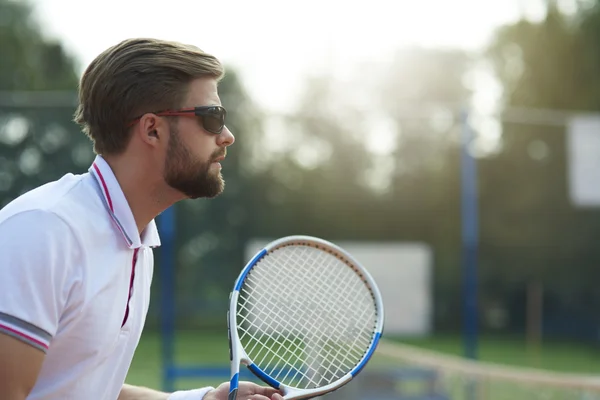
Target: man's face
[{"x": 192, "y": 163}]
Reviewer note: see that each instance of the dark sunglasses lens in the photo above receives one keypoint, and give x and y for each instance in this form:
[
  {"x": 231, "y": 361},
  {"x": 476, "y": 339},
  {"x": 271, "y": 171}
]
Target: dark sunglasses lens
[{"x": 214, "y": 120}]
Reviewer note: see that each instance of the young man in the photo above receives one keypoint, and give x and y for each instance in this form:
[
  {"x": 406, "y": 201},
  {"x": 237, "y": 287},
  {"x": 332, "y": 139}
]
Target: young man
[{"x": 76, "y": 254}]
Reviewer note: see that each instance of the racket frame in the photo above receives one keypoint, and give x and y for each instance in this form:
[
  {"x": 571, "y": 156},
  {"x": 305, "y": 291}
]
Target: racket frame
[{"x": 238, "y": 355}]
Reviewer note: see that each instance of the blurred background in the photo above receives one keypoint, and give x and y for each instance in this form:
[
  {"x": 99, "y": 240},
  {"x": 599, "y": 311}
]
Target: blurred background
[{"x": 454, "y": 146}]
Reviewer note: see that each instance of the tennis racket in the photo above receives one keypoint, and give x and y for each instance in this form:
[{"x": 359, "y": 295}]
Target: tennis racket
[{"x": 304, "y": 316}]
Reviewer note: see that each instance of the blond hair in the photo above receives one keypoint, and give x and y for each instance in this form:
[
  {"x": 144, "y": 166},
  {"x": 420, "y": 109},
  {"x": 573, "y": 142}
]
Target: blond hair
[{"x": 134, "y": 77}]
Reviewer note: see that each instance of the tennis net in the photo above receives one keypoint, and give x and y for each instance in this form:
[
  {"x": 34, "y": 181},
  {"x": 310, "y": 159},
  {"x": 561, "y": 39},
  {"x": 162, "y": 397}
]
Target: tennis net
[{"x": 403, "y": 372}]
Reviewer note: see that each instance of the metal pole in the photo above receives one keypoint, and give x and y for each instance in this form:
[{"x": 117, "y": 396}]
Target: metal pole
[
  {"x": 469, "y": 239},
  {"x": 469, "y": 219},
  {"x": 167, "y": 297}
]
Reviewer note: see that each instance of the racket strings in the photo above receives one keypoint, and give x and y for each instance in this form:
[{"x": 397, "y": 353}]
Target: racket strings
[
  {"x": 327, "y": 351},
  {"x": 266, "y": 318},
  {"x": 294, "y": 310},
  {"x": 346, "y": 356},
  {"x": 320, "y": 341},
  {"x": 294, "y": 359},
  {"x": 287, "y": 338},
  {"x": 349, "y": 355},
  {"x": 305, "y": 317},
  {"x": 293, "y": 348},
  {"x": 294, "y": 345}
]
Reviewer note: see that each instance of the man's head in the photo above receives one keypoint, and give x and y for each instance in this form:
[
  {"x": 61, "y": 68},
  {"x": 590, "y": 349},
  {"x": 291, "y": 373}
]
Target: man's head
[{"x": 158, "y": 100}]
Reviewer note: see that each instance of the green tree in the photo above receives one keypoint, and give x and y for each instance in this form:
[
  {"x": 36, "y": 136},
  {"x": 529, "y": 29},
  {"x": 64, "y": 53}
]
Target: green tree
[
  {"x": 530, "y": 230},
  {"x": 29, "y": 60},
  {"x": 424, "y": 93},
  {"x": 330, "y": 177},
  {"x": 38, "y": 141}
]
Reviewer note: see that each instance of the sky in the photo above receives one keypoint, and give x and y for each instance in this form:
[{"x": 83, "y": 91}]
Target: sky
[{"x": 274, "y": 44}]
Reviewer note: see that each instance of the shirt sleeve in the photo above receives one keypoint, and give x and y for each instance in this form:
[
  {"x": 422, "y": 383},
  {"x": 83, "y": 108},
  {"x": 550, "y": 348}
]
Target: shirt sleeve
[{"x": 37, "y": 255}]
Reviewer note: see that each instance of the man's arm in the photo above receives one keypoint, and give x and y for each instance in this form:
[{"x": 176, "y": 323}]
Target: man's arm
[
  {"x": 36, "y": 261},
  {"x": 130, "y": 392},
  {"x": 245, "y": 390},
  {"x": 20, "y": 366}
]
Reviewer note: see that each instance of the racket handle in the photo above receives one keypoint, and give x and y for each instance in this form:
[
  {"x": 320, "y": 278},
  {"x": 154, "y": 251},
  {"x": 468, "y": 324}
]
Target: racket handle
[{"x": 232, "y": 394}]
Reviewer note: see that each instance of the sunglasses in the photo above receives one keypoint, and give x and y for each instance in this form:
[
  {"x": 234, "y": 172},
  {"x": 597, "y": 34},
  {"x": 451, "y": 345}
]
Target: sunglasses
[{"x": 212, "y": 117}]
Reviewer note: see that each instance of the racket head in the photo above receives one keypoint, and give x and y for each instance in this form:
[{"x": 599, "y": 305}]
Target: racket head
[{"x": 342, "y": 305}]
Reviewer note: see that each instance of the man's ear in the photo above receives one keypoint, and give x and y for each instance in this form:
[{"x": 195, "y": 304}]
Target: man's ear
[{"x": 150, "y": 128}]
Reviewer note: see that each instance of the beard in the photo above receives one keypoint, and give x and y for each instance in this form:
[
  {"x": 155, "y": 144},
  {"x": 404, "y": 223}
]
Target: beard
[{"x": 191, "y": 177}]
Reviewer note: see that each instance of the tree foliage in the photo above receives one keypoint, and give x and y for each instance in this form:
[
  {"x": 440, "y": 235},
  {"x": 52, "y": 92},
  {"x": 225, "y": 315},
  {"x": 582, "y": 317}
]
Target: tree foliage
[
  {"x": 374, "y": 157},
  {"x": 531, "y": 231}
]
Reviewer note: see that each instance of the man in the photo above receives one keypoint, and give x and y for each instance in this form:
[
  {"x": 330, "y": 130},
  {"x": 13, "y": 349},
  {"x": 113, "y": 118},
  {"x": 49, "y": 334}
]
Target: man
[{"x": 76, "y": 254}]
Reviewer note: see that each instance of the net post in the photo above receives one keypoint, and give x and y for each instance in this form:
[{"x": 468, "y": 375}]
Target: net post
[
  {"x": 167, "y": 301},
  {"x": 469, "y": 224}
]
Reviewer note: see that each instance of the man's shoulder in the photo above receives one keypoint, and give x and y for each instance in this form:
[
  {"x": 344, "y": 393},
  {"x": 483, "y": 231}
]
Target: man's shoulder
[
  {"x": 44, "y": 219},
  {"x": 59, "y": 199}
]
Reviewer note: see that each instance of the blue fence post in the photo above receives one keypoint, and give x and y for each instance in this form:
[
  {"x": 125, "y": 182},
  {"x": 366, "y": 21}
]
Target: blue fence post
[
  {"x": 167, "y": 296},
  {"x": 469, "y": 239},
  {"x": 469, "y": 222}
]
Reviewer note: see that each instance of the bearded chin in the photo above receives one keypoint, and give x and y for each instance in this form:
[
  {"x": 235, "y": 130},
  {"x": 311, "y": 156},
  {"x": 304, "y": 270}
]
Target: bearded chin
[
  {"x": 209, "y": 186},
  {"x": 202, "y": 184},
  {"x": 194, "y": 180}
]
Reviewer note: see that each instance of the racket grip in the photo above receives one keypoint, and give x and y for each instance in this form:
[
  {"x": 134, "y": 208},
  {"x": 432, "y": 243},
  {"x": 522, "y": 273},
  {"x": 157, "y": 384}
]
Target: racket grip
[{"x": 232, "y": 394}]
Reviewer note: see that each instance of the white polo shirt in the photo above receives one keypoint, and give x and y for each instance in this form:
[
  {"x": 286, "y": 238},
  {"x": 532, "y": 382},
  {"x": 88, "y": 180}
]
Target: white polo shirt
[{"x": 75, "y": 282}]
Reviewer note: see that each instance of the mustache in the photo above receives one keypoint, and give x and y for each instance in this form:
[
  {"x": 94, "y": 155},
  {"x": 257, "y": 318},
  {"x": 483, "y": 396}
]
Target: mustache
[{"x": 219, "y": 153}]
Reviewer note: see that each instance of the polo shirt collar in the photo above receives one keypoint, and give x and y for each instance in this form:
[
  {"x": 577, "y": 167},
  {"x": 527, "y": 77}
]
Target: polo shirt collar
[{"x": 118, "y": 208}]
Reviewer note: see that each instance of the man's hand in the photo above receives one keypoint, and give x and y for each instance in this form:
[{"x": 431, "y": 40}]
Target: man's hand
[{"x": 246, "y": 391}]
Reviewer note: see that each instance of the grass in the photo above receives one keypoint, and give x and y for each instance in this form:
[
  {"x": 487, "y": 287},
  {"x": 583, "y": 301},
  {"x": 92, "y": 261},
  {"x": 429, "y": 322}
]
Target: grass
[
  {"x": 191, "y": 348},
  {"x": 212, "y": 350},
  {"x": 553, "y": 355}
]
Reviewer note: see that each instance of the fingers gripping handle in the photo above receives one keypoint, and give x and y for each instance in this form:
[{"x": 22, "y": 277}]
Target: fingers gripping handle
[
  {"x": 233, "y": 387},
  {"x": 232, "y": 394}
]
